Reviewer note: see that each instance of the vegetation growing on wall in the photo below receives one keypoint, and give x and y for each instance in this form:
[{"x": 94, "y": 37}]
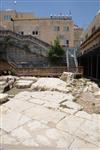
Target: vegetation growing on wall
[{"x": 56, "y": 52}]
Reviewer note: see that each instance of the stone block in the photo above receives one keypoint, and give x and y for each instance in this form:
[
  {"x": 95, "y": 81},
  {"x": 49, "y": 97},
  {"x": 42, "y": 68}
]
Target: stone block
[
  {"x": 3, "y": 97},
  {"x": 23, "y": 83}
]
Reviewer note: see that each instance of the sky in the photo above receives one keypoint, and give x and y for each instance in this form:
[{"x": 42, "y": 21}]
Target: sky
[{"x": 82, "y": 11}]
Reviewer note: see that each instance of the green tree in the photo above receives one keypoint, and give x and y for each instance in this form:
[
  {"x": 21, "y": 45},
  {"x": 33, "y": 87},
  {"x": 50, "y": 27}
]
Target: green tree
[{"x": 56, "y": 52}]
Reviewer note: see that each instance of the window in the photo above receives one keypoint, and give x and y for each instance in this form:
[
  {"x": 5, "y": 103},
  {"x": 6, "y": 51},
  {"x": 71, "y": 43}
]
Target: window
[
  {"x": 7, "y": 18},
  {"x": 56, "y": 28},
  {"x": 66, "y": 29},
  {"x": 67, "y": 42},
  {"x": 22, "y": 33},
  {"x": 35, "y": 32}
]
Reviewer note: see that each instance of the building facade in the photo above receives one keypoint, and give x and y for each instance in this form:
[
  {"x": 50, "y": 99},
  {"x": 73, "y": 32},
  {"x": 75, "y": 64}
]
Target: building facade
[
  {"x": 89, "y": 56},
  {"x": 44, "y": 28}
]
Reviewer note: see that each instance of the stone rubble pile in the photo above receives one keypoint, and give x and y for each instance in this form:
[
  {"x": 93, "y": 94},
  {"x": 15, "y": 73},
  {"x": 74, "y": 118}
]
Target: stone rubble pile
[
  {"x": 82, "y": 85},
  {"x": 67, "y": 77}
]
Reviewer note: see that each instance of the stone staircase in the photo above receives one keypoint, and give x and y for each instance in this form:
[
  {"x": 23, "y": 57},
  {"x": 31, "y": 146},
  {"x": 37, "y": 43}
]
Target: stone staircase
[
  {"x": 35, "y": 44},
  {"x": 71, "y": 59}
]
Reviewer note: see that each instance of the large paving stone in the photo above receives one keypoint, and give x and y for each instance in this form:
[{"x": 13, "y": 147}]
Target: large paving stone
[
  {"x": 51, "y": 105},
  {"x": 23, "y": 96},
  {"x": 90, "y": 131},
  {"x": 68, "y": 111},
  {"x": 21, "y": 134},
  {"x": 29, "y": 131},
  {"x": 70, "y": 124},
  {"x": 11, "y": 120},
  {"x": 7, "y": 139},
  {"x": 44, "y": 114},
  {"x": 18, "y": 106},
  {"x": 71, "y": 105},
  {"x": 36, "y": 101},
  {"x": 43, "y": 140},
  {"x": 80, "y": 144},
  {"x": 3, "y": 97},
  {"x": 30, "y": 142},
  {"x": 85, "y": 115},
  {"x": 37, "y": 134},
  {"x": 52, "y": 96}
]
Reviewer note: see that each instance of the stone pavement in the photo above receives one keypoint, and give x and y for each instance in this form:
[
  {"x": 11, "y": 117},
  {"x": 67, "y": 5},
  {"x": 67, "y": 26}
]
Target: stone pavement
[{"x": 39, "y": 120}]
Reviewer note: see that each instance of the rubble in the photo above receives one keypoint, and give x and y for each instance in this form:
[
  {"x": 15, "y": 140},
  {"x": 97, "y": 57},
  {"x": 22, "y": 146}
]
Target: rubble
[{"x": 67, "y": 77}]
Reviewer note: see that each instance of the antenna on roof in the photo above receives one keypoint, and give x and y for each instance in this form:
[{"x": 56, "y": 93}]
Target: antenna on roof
[{"x": 70, "y": 14}]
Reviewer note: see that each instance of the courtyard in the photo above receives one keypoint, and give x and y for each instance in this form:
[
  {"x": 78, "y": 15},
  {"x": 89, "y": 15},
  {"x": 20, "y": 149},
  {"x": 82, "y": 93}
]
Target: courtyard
[{"x": 48, "y": 113}]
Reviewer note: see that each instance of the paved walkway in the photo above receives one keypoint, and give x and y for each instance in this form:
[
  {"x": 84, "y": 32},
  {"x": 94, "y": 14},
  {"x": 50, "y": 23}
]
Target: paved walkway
[{"x": 40, "y": 120}]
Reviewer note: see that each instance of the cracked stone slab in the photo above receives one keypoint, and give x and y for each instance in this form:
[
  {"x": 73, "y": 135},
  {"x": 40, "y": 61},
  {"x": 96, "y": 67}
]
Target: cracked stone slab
[
  {"x": 21, "y": 134},
  {"x": 17, "y": 105},
  {"x": 30, "y": 142},
  {"x": 52, "y": 96},
  {"x": 68, "y": 111},
  {"x": 35, "y": 133},
  {"x": 23, "y": 96},
  {"x": 83, "y": 114},
  {"x": 90, "y": 131},
  {"x": 72, "y": 105},
  {"x": 79, "y": 144},
  {"x": 36, "y": 101},
  {"x": 7, "y": 139},
  {"x": 51, "y": 105},
  {"x": 44, "y": 114},
  {"x": 29, "y": 131},
  {"x": 12, "y": 120},
  {"x": 70, "y": 124}
]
